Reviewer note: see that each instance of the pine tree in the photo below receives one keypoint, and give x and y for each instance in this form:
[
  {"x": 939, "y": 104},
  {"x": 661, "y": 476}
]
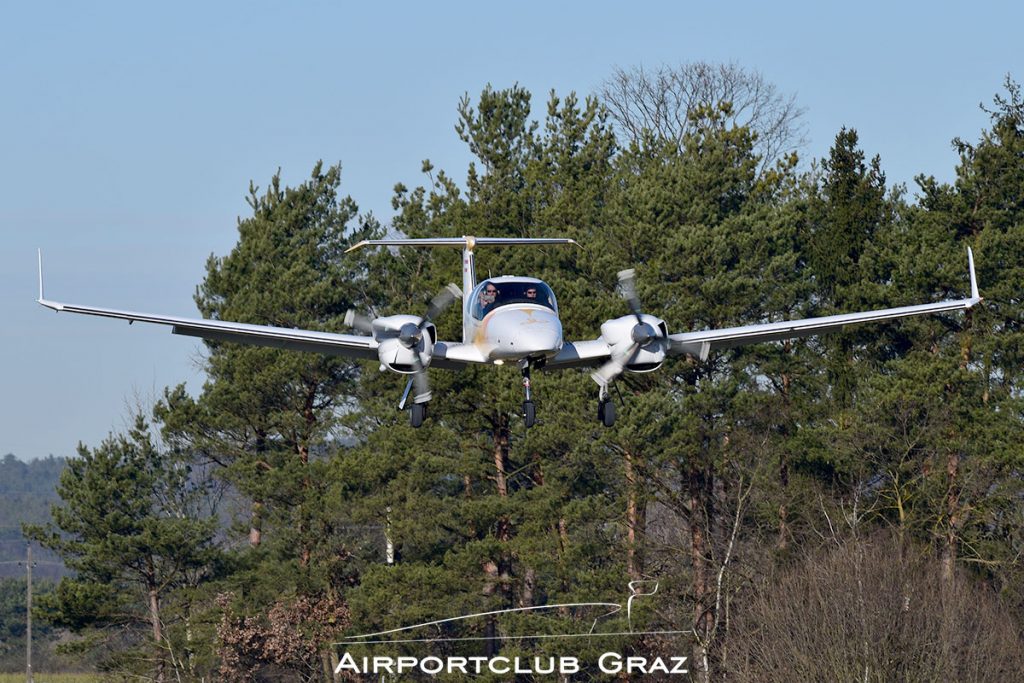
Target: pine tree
[
  {"x": 982, "y": 209},
  {"x": 127, "y": 527},
  {"x": 268, "y": 419}
]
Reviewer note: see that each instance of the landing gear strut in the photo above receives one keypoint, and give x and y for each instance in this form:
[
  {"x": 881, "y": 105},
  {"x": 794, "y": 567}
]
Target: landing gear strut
[
  {"x": 605, "y": 407},
  {"x": 529, "y": 409}
]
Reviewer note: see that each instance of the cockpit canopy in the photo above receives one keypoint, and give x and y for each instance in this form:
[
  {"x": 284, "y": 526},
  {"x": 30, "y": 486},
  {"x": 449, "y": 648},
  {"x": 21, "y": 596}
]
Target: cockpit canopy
[{"x": 492, "y": 294}]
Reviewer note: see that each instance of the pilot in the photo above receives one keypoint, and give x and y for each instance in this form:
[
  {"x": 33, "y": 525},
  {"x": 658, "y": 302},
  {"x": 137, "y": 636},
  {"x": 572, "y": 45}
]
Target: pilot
[
  {"x": 487, "y": 296},
  {"x": 531, "y": 293}
]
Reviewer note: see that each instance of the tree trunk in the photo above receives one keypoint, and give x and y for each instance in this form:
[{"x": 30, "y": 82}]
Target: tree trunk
[
  {"x": 501, "y": 449},
  {"x": 526, "y": 596},
  {"x": 335, "y": 674},
  {"x": 497, "y": 569},
  {"x": 699, "y": 545},
  {"x": 256, "y": 524},
  {"x": 302, "y": 449},
  {"x": 256, "y": 511},
  {"x": 158, "y": 634},
  {"x": 952, "y": 501},
  {"x": 949, "y": 542},
  {"x": 467, "y": 485},
  {"x": 699, "y": 487},
  {"x": 529, "y": 586},
  {"x": 636, "y": 518},
  {"x": 325, "y": 667},
  {"x": 783, "y": 540},
  {"x": 563, "y": 546}
]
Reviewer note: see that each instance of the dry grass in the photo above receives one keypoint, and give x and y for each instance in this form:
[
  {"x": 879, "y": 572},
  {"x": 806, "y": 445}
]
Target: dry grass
[{"x": 52, "y": 678}]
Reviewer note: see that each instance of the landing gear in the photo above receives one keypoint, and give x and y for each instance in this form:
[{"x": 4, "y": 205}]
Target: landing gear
[
  {"x": 529, "y": 413},
  {"x": 605, "y": 407},
  {"x": 529, "y": 409},
  {"x": 418, "y": 412}
]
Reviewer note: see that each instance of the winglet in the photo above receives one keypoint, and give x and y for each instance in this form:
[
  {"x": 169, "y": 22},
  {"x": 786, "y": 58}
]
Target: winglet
[
  {"x": 42, "y": 298},
  {"x": 975, "y": 296}
]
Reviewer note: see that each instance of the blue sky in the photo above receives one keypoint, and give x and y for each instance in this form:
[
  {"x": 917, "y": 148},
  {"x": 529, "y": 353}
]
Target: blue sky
[{"x": 129, "y": 133}]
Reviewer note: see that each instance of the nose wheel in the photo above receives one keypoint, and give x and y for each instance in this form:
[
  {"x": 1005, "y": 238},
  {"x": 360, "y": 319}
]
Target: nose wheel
[
  {"x": 529, "y": 413},
  {"x": 529, "y": 409}
]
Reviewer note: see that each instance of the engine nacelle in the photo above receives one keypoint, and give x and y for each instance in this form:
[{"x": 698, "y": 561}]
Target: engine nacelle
[
  {"x": 620, "y": 335},
  {"x": 397, "y": 350}
]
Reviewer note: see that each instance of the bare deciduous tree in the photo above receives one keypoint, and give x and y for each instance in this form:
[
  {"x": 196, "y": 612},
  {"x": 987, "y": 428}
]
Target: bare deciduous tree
[
  {"x": 874, "y": 609},
  {"x": 661, "y": 101}
]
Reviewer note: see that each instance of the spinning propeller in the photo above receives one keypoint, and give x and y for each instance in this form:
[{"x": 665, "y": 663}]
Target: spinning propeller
[
  {"x": 640, "y": 336},
  {"x": 409, "y": 334}
]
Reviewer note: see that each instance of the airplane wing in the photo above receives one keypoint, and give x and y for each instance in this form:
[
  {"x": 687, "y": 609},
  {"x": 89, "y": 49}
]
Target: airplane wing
[
  {"x": 456, "y": 355},
  {"x": 700, "y": 344},
  {"x": 580, "y": 354},
  {"x": 350, "y": 345},
  {"x": 449, "y": 355}
]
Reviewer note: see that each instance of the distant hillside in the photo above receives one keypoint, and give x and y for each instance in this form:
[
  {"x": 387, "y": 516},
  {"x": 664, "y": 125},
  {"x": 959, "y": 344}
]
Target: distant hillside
[{"x": 27, "y": 490}]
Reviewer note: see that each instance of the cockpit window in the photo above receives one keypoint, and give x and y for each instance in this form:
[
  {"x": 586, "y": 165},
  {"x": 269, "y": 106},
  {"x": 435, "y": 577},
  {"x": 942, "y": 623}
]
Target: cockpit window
[{"x": 490, "y": 295}]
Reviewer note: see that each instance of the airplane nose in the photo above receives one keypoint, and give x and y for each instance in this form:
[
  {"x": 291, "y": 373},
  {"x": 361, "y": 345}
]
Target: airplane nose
[
  {"x": 527, "y": 332},
  {"x": 539, "y": 338}
]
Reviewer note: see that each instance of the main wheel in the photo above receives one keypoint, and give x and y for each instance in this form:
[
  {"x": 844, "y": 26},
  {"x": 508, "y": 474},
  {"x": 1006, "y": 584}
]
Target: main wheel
[
  {"x": 606, "y": 413},
  {"x": 529, "y": 413},
  {"x": 418, "y": 412}
]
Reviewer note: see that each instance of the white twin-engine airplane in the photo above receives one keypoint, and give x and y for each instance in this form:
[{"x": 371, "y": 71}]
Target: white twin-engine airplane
[{"x": 509, "y": 319}]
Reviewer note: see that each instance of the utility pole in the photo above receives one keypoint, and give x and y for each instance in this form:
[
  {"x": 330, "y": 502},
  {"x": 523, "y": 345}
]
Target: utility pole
[
  {"x": 28, "y": 618},
  {"x": 390, "y": 544}
]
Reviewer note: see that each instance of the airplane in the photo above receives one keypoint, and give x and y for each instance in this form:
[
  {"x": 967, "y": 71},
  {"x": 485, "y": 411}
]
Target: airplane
[{"x": 510, "y": 319}]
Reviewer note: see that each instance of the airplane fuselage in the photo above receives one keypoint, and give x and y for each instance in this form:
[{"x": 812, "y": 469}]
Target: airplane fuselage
[{"x": 512, "y": 318}]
